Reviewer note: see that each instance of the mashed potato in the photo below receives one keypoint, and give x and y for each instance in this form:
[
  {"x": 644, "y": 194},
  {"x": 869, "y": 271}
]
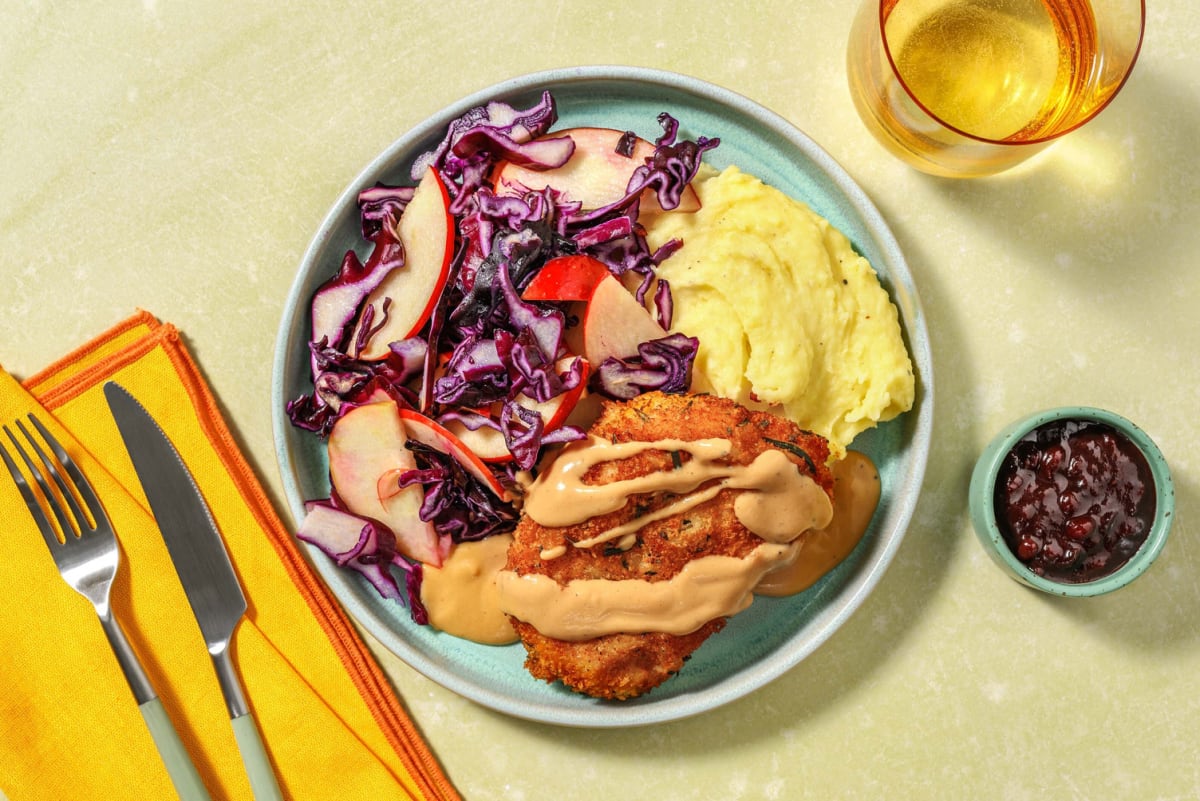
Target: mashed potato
[{"x": 788, "y": 316}]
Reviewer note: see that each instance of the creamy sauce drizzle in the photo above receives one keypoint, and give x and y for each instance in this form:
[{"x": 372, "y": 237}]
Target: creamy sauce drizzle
[
  {"x": 563, "y": 480},
  {"x": 705, "y": 589},
  {"x": 471, "y": 595},
  {"x": 779, "y": 504},
  {"x": 462, "y": 596},
  {"x": 855, "y": 495}
]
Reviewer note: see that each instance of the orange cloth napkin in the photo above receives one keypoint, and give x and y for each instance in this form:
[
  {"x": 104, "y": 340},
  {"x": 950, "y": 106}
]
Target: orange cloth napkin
[{"x": 69, "y": 727}]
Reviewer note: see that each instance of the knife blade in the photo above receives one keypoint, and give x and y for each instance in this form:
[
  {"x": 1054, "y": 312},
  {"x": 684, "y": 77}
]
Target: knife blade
[{"x": 198, "y": 553}]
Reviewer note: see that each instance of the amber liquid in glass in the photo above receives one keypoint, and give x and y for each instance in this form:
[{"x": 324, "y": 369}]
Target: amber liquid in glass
[{"x": 1011, "y": 71}]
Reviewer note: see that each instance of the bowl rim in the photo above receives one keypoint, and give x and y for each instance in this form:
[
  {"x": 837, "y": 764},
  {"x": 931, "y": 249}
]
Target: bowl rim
[{"x": 982, "y": 508}]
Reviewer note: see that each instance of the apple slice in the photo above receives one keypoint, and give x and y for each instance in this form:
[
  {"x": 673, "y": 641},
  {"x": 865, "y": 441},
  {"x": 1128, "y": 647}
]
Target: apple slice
[
  {"x": 485, "y": 442},
  {"x": 566, "y": 278},
  {"x": 488, "y": 443},
  {"x": 595, "y": 174},
  {"x": 614, "y": 323},
  {"x": 347, "y": 539},
  {"x": 366, "y": 443},
  {"x": 433, "y": 434},
  {"x": 426, "y": 230}
]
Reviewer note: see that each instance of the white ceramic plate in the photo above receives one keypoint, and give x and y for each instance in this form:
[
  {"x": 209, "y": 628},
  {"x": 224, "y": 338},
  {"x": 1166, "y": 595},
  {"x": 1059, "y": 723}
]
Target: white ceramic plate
[{"x": 773, "y": 635}]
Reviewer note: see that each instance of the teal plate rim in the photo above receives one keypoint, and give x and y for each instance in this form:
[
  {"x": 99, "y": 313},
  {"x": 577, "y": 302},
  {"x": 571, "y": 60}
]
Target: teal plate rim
[{"x": 774, "y": 634}]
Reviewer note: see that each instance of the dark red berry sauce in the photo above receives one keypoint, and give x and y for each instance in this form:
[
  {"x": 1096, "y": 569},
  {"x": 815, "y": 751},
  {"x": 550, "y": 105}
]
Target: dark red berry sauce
[{"x": 1074, "y": 500}]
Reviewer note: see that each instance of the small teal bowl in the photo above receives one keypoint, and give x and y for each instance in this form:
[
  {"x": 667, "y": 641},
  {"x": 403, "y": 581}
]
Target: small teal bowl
[{"x": 983, "y": 511}]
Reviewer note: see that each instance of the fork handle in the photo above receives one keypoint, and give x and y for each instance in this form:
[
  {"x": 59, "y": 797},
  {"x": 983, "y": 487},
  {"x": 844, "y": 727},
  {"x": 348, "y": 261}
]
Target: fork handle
[
  {"x": 180, "y": 767},
  {"x": 174, "y": 755},
  {"x": 139, "y": 682}
]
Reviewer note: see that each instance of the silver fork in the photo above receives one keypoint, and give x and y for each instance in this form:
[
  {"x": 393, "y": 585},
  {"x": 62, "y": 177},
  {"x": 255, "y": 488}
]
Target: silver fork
[{"x": 88, "y": 558}]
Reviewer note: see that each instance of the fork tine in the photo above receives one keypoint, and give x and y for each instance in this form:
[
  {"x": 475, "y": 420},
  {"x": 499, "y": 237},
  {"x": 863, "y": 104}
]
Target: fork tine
[
  {"x": 31, "y": 501},
  {"x": 78, "y": 479},
  {"x": 65, "y": 493}
]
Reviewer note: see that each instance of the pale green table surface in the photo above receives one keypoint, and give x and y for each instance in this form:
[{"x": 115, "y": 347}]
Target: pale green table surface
[{"x": 177, "y": 156}]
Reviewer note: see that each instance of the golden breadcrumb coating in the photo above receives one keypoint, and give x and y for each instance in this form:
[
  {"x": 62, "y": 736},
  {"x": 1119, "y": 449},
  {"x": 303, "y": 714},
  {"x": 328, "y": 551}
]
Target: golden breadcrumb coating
[{"x": 621, "y": 666}]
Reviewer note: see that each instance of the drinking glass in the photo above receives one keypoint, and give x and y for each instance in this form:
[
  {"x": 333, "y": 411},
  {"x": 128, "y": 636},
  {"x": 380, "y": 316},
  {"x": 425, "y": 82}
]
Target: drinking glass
[{"x": 966, "y": 88}]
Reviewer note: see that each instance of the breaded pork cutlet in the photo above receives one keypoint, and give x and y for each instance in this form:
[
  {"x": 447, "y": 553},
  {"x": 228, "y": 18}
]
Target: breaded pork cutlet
[{"x": 622, "y": 666}]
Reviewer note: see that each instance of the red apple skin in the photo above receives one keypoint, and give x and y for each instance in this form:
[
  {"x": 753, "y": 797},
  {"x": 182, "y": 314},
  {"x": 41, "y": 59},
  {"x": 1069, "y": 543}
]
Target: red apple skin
[
  {"x": 426, "y": 230},
  {"x": 366, "y": 443},
  {"x": 614, "y": 323},
  {"x": 566, "y": 278},
  {"x": 595, "y": 174},
  {"x": 488, "y": 443},
  {"x": 432, "y": 433}
]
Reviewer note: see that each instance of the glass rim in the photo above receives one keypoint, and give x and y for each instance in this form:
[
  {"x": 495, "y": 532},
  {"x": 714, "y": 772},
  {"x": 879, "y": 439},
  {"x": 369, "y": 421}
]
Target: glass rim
[{"x": 1041, "y": 140}]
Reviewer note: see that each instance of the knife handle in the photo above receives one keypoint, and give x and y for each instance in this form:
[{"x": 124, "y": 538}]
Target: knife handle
[
  {"x": 179, "y": 765},
  {"x": 254, "y": 757},
  {"x": 258, "y": 765}
]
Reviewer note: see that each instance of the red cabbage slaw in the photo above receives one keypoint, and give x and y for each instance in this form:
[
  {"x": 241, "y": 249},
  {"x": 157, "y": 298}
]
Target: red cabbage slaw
[{"x": 485, "y": 350}]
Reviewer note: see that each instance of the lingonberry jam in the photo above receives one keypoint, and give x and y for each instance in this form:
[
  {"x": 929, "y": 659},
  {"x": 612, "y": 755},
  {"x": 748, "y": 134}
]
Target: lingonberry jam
[{"x": 1074, "y": 500}]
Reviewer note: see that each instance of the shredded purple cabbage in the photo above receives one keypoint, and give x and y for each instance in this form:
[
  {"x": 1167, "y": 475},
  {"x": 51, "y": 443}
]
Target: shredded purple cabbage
[
  {"x": 661, "y": 364},
  {"x": 381, "y": 206},
  {"x": 367, "y": 547},
  {"x": 486, "y": 352},
  {"x": 341, "y": 382},
  {"x": 455, "y": 502},
  {"x": 664, "y": 303},
  {"x": 672, "y": 166},
  {"x": 486, "y": 134},
  {"x": 336, "y": 303}
]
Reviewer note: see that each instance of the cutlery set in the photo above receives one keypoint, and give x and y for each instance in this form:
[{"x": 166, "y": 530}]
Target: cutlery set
[{"x": 88, "y": 558}]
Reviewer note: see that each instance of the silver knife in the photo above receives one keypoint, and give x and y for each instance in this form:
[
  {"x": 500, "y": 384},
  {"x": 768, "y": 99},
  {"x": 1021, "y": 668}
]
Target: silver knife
[{"x": 203, "y": 565}]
